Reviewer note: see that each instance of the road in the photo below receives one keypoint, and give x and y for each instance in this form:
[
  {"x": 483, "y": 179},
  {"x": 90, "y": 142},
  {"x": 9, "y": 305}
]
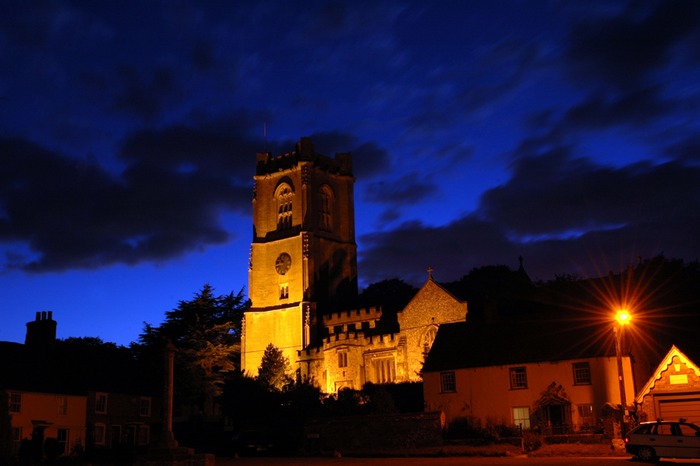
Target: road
[{"x": 446, "y": 461}]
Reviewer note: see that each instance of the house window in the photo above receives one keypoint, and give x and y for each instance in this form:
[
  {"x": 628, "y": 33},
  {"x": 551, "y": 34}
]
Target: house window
[
  {"x": 62, "y": 405},
  {"x": 284, "y": 290},
  {"x": 518, "y": 378},
  {"x": 16, "y": 438},
  {"x": 101, "y": 403},
  {"x": 144, "y": 406},
  {"x": 99, "y": 434},
  {"x": 582, "y": 373},
  {"x": 384, "y": 370},
  {"x": 15, "y": 402},
  {"x": 521, "y": 417},
  {"x": 342, "y": 358},
  {"x": 448, "y": 382},
  {"x": 116, "y": 436},
  {"x": 284, "y": 207},
  {"x": 585, "y": 416},
  {"x": 142, "y": 435},
  {"x": 326, "y": 209},
  {"x": 62, "y": 440}
]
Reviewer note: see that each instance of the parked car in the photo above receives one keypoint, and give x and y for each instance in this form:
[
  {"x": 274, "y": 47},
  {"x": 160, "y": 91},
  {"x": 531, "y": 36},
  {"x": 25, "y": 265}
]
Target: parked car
[{"x": 670, "y": 439}]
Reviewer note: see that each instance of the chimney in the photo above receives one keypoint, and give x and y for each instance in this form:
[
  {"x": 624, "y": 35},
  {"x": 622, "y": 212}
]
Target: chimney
[{"x": 41, "y": 332}]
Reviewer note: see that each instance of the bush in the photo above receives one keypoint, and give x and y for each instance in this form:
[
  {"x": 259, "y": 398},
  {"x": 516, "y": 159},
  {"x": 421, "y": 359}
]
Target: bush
[{"x": 531, "y": 441}]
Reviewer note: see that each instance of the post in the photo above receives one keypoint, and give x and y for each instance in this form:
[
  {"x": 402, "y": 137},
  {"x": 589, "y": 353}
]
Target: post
[
  {"x": 168, "y": 441},
  {"x": 621, "y": 379}
]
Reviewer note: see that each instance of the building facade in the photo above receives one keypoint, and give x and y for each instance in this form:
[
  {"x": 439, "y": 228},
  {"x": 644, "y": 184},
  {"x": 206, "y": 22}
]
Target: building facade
[
  {"x": 510, "y": 375},
  {"x": 302, "y": 279},
  {"x": 672, "y": 392},
  {"x": 53, "y": 421}
]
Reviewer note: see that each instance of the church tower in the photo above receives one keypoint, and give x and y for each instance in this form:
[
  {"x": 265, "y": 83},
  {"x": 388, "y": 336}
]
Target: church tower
[{"x": 303, "y": 258}]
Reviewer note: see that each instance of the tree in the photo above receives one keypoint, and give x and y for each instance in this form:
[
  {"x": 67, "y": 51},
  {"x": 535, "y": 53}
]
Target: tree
[
  {"x": 274, "y": 369},
  {"x": 207, "y": 334}
]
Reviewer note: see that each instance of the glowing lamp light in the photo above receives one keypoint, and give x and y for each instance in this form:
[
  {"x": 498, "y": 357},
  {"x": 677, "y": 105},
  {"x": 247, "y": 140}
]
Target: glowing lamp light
[{"x": 623, "y": 316}]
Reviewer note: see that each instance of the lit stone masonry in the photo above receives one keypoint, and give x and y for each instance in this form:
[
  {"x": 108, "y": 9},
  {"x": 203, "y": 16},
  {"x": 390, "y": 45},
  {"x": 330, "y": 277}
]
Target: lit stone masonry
[{"x": 303, "y": 265}]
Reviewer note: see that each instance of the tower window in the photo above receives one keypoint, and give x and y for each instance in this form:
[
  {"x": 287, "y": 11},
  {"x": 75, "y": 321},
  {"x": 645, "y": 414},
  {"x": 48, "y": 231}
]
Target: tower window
[
  {"x": 284, "y": 290},
  {"x": 284, "y": 198},
  {"x": 326, "y": 208},
  {"x": 342, "y": 358}
]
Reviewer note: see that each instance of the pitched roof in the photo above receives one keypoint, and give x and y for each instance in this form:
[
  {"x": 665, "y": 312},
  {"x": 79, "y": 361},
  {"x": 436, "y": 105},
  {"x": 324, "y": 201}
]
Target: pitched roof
[
  {"x": 663, "y": 365},
  {"x": 470, "y": 344}
]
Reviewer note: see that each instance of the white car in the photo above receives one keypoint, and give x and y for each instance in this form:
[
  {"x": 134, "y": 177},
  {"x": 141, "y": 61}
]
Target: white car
[{"x": 670, "y": 439}]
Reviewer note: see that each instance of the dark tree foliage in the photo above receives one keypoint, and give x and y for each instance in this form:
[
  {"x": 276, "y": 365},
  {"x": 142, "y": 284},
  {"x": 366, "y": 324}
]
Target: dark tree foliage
[
  {"x": 280, "y": 415},
  {"x": 494, "y": 291},
  {"x": 392, "y": 295},
  {"x": 273, "y": 373},
  {"x": 206, "y": 331}
]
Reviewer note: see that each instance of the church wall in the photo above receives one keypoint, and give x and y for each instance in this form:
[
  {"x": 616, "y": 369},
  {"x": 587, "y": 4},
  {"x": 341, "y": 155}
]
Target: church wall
[
  {"x": 419, "y": 320},
  {"x": 282, "y": 328},
  {"x": 264, "y": 281}
]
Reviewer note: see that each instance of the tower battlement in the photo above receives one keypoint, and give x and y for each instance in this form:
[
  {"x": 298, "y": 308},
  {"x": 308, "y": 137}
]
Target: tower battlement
[
  {"x": 354, "y": 316},
  {"x": 341, "y": 164}
]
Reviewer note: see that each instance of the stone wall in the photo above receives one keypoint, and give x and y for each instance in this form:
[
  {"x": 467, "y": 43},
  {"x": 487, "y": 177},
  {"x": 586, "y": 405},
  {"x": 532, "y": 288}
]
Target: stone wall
[{"x": 374, "y": 433}]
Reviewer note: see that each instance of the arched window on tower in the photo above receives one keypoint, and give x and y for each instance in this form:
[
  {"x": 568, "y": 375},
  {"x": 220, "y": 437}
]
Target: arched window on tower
[
  {"x": 326, "y": 208},
  {"x": 284, "y": 199}
]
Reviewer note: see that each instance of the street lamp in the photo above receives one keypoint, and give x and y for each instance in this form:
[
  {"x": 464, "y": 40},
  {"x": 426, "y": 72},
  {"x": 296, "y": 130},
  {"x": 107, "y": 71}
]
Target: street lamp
[{"x": 622, "y": 317}]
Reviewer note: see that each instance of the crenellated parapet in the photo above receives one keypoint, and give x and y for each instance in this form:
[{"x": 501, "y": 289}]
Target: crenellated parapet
[
  {"x": 304, "y": 151},
  {"x": 355, "y": 319}
]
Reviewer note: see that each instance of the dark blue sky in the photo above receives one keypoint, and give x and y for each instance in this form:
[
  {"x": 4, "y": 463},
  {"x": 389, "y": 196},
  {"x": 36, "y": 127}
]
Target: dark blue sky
[{"x": 564, "y": 132}]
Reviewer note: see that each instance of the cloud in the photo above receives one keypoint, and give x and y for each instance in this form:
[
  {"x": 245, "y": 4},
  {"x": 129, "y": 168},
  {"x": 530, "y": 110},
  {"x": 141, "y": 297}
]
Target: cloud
[
  {"x": 408, "y": 189},
  {"x": 626, "y": 49},
  {"x": 145, "y": 96},
  {"x": 635, "y": 108},
  {"x": 169, "y": 199},
  {"x": 563, "y": 214}
]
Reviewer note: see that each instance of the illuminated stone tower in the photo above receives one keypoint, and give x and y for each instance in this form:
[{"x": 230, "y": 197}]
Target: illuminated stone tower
[{"x": 303, "y": 257}]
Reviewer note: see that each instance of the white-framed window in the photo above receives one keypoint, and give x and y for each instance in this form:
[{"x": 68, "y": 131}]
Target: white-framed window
[
  {"x": 448, "y": 382},
  {"x": 62, "y": 436},
  {"x": 99, "y": 432},
  {"x": 100, "y": 403},
  {"x": 521, "y": 417},
  {"x": 16, "y": 438},
  {"x": 342, "y": 358},
  {"x": 518, "y": 378},
  {"x": 143, "y": 434},
  {"x": 62, "y": 405},
  {"x": 586, "y": 418},
  {"x": 116, "y": 436},
  {"x": 15, "y": 402},
  {"x": 145, "y": 406},
  {"x": 582, "y": 373},
  {"x": 284, "y": 198}
]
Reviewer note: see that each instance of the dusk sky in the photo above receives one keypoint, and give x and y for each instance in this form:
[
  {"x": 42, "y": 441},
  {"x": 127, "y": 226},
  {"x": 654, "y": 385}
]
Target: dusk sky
[{"x": 564, "y": 132}]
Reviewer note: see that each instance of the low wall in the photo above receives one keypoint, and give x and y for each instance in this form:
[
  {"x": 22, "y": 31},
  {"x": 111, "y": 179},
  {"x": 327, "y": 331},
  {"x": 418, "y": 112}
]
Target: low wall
[{"x": 373, "y": 433}]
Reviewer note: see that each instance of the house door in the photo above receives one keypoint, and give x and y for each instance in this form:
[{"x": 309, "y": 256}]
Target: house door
[{"x": 556, "y": 418}]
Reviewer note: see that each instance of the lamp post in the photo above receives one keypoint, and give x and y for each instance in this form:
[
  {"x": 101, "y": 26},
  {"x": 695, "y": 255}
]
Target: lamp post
[{"x": 622, "y": 317}]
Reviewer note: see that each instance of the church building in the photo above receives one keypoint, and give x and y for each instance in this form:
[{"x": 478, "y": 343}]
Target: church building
[{"x": 302, "y": 281}]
